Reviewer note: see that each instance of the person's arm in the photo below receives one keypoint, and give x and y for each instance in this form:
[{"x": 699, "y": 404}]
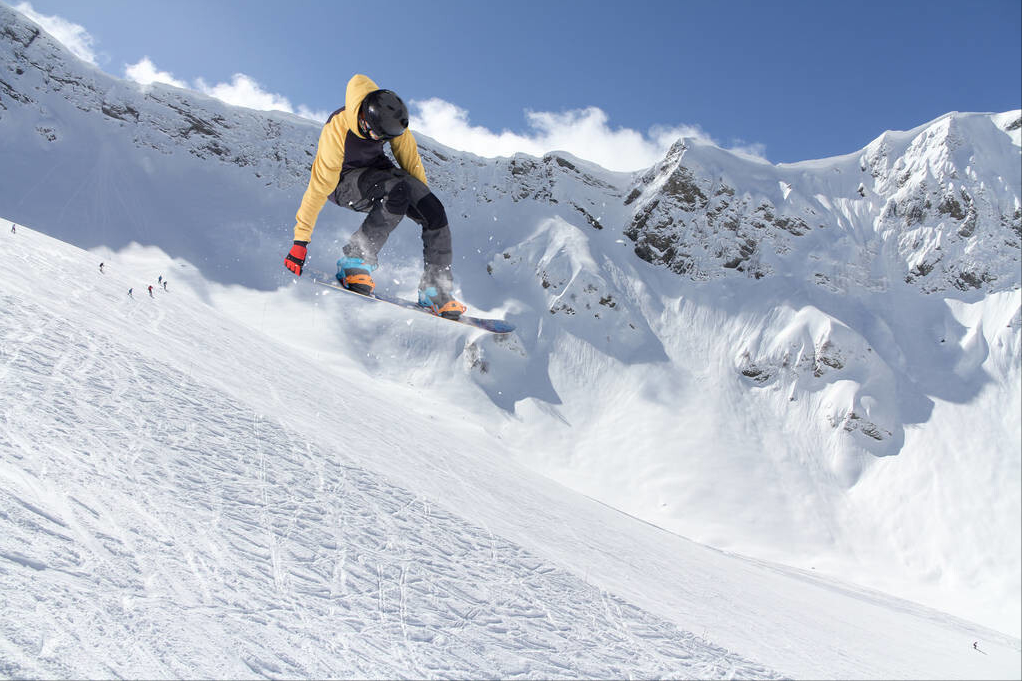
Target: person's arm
[
  {"x": 326, "y": 171},
  {"x": 406, "y": 151}
]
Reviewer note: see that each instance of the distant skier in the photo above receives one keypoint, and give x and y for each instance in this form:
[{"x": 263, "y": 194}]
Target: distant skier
[
  {"x": 159, "y": 279},
  {"x": 13, "y": 229},
  {"x": 129, "y": 293},
  {"x": 101, "y": 268},
  {"x": 351, "y": 170},
  {"x": 151, "y": 291},
  {"x": 164, "y": 284}
]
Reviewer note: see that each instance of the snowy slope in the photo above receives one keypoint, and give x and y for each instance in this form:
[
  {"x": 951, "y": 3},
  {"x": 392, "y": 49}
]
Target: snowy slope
[
  {"x": 183, "y": 497},
  {"x": 815, "y": 364}
]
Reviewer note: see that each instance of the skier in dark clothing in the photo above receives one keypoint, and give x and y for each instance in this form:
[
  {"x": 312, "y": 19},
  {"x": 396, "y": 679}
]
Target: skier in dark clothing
[
  {"x": 351, "y": 170},
  {"x": 129, "y": 293},
  {"x": 13, "y": 229},
  {"x": 101, "y": 268},
  {"x": 164, "y": 284}
]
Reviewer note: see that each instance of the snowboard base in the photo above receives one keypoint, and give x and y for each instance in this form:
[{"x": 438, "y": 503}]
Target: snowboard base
[{"x": 490, "y": 325}]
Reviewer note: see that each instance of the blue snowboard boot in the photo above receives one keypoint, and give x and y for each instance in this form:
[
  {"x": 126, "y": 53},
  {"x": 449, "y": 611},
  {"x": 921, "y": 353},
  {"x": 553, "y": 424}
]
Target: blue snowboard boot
[
  {"x": 440, "y": 303},
  {"x": 354, "y": 275}
]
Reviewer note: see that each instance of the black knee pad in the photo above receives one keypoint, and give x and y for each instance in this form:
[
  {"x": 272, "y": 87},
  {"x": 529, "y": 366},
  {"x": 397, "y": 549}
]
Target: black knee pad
[
  {"x": 398, "y": 198},
  {"x": 432, "y": 211}
]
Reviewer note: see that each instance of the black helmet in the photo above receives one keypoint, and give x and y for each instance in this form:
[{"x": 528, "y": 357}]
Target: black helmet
[{"x": 384, "y": 114}]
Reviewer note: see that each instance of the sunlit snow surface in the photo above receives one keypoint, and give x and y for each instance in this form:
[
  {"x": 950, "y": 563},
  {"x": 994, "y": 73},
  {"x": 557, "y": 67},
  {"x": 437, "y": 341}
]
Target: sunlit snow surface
[
  {"x": 183, "y": 497},
  {"x": 815, "y": 364}
]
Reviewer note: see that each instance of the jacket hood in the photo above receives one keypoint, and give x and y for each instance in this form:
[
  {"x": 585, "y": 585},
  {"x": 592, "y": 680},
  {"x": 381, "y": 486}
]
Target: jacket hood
[{"x": 358, "y": 87}]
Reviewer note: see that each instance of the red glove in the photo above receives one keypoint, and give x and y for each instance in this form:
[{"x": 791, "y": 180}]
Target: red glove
[{"x": 295, "y": 260}]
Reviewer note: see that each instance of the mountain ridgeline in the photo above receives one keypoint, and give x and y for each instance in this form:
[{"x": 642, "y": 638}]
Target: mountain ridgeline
[
  {"x": 936, "y": 207},
  {"x": 932, "y": 207}
]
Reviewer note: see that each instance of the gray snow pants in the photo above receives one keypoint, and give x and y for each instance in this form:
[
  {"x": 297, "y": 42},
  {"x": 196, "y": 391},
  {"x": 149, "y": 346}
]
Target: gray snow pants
[{"x": 388, "y": 195}]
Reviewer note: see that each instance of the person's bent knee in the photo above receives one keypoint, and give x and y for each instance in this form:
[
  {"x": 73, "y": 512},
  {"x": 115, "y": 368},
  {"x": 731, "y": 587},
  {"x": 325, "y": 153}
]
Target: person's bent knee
[
  {"x": 398, "y": 199},
  {"x": 432, "y": 211}
]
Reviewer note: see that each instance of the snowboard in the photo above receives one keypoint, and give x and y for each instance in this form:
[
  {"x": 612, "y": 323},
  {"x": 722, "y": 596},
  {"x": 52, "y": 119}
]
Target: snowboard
[{"x": 490, "y": 325}]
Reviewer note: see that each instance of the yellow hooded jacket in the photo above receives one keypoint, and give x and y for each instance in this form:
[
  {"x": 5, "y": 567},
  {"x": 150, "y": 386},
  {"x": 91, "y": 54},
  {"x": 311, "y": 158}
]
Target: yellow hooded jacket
[{"x": 341, "y": 131}]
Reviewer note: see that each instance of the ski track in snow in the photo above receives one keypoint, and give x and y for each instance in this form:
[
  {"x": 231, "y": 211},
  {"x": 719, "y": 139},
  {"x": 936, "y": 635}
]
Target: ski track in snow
[{"x": 159, "y": 528}]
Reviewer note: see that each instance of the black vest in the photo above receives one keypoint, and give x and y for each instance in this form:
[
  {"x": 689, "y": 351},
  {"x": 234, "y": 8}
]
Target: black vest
[{"x": 360, "y": 152}]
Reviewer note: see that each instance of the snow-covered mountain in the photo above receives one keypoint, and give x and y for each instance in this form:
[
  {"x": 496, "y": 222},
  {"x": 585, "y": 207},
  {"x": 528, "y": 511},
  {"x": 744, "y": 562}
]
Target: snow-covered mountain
[
  {"x": 815, "y": 364},
  {"x": 182, "y": 496}
]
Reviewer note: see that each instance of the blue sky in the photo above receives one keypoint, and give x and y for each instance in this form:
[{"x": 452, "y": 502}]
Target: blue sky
[{"x": 787, "y": 81}]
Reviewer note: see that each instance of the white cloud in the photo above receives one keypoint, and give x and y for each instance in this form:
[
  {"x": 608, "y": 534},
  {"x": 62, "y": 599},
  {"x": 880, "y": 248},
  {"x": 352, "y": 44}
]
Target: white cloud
[
  {"x": 585, "y": 133},
  {"x": 73, "y": 36},
  {"x": 752, "y": 150},
  {"x": 245, "y": 91},
  {"x": 145, "y": 72},
  {"x": 242, "y": 90},
  {"x": 306, "y": 112}
]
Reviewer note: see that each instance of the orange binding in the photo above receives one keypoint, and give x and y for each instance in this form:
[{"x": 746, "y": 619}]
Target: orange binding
[
  {"x": 452, "y": 308},
  {"x": 362, "y": 280}
]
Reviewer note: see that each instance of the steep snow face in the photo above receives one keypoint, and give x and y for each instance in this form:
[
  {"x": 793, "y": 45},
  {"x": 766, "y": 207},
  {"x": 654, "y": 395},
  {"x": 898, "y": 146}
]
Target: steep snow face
[
  {"x": 814, "y": 363},
  {"x": 168, "y": 512},
  {"x": 161, "y": 517}
]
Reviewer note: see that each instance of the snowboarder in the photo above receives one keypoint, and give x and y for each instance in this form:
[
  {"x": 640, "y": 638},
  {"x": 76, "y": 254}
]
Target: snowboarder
[
  {"x": 101, "y": 268},
  {"x": 351, "y": 170},
  {"x": 151, "y": 291}
]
